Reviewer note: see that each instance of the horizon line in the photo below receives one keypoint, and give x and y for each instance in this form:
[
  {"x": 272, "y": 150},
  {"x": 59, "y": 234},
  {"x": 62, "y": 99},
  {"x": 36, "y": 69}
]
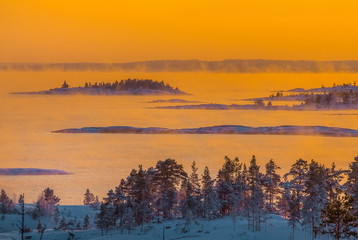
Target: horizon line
[{"x": 191, "y": 59}]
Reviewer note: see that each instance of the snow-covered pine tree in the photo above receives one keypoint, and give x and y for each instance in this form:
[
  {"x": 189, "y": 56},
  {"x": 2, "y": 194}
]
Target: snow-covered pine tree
[
  {"x": 190, "y": 203},
  {"x": 140, "y": 194},
  {"x": 168, "y": 177},
  {"x": 297, "y": 177},
  {"x": 255, "y": 202},
  {"x": 225, "y": 184},
  {"x": 334, "y": 177},
  {"x": 352, "y": 182},
  {"x": 105, "y": 218},
  {"x": 315, "y": 197},
  {"x": 22, "y": 228},
  {"x": 194, "y": 182},
  {"x": 63, "y": 224},
  {"x": 128, "y": 218},
  {"x": 189, "y": 217},
  {"x": 118, "y": 199},
  {"x": 339, "y": 218},
  {"x": 294, "y": 212},
  {"x": 240, "y": 187},
  {"x": 45, "y": 205},
  {"x": 271, "y": 186},
  {"x": 211, "y": 202},
  {"x": 86, "y": 222},
  {"x": 111, "y": 197},
  {"x": 284, "y": 199}
]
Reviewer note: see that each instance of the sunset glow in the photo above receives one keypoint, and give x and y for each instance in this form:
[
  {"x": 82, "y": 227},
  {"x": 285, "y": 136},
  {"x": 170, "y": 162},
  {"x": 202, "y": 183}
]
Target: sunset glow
[
  {"x": 136, "y": 30},
  {"x": 178, "y": 119}
]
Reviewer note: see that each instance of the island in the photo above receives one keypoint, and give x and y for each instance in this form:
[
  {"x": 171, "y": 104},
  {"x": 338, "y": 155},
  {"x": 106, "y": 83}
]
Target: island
[
  {"x": 174, "y": 100},
  {"x": 123, "y": 87},
  {"x": 223, "y": 129},
  {"x": 338, "y": 97}
]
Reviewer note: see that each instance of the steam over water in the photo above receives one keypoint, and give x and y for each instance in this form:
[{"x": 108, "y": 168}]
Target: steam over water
[{"x": 99, "y": 161}]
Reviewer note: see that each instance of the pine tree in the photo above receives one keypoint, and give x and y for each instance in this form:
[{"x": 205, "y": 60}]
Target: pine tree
[
  {"x": 86, "y": 222},
  {"x": 22, "y": 228},
  {"x": 41, "y": 229},
  {"x": 352, "y": 182},
  {"x": 78, "y": 226},
  {"x": 168, "y": 177},
  {"x": 89, "y": 198},
  {"x": 103, "y": 219},
  {"x": 140, "y": 193},
  {"x": 192, "y": 192},
  {"x": 188, "y": 203},
  {"x": 56, "y": 215},
  {"x": 211, "y": 204},
  {"x": 6, "y": 204},
  {"x": 46, "y": 203},
  {"x": 189, "y": 217},
  {"x": 225, "y": 184},
  {"x": 298, "y": 177},
  {"x": 128, "y": 219},
  {"x": 65, "y": 85},
  {"x": 294, "y": 211},
  {"x": 194, "y": 178},
  {"x": 334, "y": 177},
  {"x": 255, "y": 202},
  {"x": 271, "y": 185},
  {"x": 118, "y": 199},
  {"x": 285, "y": 198},
  {"x": 315, "y": 197},
  {"x": 63, "y": 224},
  {"x": 339, "y": 218}
]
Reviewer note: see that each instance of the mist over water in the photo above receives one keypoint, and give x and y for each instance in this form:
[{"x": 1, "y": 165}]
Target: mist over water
[{"x": 99, "y": 161}]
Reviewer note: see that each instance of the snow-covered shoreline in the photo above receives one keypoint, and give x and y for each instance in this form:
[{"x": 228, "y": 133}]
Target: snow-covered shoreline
[
  {"x": 100, "y": 91},
  {"x": 301, "y": 107},
  {"x": 223, "y": 129}
]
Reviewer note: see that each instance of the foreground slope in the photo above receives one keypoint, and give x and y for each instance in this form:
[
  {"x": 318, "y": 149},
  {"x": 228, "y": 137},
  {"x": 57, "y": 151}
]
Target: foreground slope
[{"x": 276, "y": 228}]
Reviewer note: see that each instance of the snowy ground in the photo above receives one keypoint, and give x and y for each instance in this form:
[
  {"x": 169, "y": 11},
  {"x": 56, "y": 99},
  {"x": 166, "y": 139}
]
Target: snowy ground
[{"x": 275, "y": 229}]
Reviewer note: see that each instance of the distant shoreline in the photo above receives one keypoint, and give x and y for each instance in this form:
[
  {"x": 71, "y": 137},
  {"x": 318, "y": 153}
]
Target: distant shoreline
[
  {"x": 86, "y": 91},
  {"x": 222, "y": 129},
  {"x": 302, "y": 107},
  {"x": 124, "y": 87}
]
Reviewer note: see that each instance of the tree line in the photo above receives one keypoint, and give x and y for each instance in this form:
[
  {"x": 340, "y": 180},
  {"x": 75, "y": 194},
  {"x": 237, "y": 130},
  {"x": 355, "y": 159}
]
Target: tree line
[
  {"x": 323, "y": 200},
  {"x": 320, "y": 199},
  {"x": 129, "y": 84}
]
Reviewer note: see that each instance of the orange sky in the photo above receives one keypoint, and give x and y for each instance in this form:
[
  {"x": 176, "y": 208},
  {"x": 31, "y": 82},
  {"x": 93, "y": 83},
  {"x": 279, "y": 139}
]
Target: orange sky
[{"x": 133, "y": 30}]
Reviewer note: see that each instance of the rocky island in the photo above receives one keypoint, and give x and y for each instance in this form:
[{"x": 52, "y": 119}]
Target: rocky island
[
  {"x": 337, "y": 97},
  {"x": 223, "y": 129},
  {"x": 123, "y": 87}
]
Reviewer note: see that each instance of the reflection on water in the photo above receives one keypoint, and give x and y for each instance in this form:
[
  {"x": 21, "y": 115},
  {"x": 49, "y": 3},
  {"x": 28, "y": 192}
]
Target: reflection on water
[{"x": 100, "y": 161}]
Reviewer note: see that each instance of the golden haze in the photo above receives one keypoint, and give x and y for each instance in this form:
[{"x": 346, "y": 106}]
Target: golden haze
[{"x": 119, "y": 31}]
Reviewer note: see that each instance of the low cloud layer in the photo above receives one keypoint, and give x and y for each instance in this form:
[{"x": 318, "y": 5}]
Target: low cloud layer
[{"x": 231, "y": 65}]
